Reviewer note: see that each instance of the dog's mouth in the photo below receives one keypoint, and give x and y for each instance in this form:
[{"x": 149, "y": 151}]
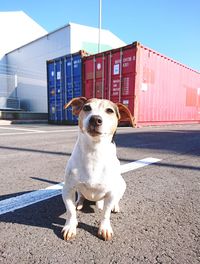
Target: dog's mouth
[{"x": 94, "y": 131}]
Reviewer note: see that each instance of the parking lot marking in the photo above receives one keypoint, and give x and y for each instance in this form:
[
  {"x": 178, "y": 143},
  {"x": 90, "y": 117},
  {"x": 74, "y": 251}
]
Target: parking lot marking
[
  {"x": 22, "y": 129},
  {"x": 36, "y": 132},
  {"x": 21, "y": 201},
  {"x": 137, "y": 164},
  {"x": 18, "y": 133}
]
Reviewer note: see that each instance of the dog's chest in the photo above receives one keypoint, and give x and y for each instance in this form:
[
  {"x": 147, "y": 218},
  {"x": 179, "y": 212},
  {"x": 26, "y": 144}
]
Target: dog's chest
[
  {"x": 95, "y": 169},
  {"x": 95, "y": 174}
]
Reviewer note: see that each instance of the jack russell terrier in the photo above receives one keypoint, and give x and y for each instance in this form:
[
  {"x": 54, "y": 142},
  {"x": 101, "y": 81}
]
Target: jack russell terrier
[{"x": 93, "y": 170}]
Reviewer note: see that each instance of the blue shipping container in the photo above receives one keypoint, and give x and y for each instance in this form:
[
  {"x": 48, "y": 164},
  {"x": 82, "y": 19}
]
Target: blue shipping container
[{"x": 64, "y": 82}]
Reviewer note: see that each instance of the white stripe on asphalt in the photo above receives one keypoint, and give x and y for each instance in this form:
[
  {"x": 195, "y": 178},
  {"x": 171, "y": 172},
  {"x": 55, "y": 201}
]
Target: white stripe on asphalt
[
  {"x": 18, "y": 133},
  {"x": 36, "y": 132},
  {"x": 21, "y": 129},
  {"x": 137, "y": 164},
  {"x": 12, "y": 204}
]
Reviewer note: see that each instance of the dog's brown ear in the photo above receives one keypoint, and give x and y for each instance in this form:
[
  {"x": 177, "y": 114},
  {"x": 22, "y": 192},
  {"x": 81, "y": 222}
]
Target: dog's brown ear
[
  {"x": 125, "y": 114},
  {"x": 77, "y": 104}
]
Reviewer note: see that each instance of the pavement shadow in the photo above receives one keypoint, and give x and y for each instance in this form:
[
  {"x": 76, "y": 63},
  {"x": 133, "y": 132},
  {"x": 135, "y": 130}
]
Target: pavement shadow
[
  {"x": 11, "y": 195},
  {"x": 48, "y": 152},
  {"x": 48, "y": 214},
  {"x": 177, "y": 141}
]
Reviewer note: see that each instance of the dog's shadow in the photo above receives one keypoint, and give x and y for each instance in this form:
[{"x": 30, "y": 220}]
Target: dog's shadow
[
  {"x": 50, "y": 214},
  {"x": 88, "y": 208}
]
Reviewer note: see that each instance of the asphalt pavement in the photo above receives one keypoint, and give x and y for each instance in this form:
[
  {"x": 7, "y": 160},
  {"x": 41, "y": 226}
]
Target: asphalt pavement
[{"x": 159, "y": 220}]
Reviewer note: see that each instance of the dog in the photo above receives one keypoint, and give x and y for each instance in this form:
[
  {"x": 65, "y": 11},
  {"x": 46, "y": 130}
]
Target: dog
[{"x": 93, "y": 170}]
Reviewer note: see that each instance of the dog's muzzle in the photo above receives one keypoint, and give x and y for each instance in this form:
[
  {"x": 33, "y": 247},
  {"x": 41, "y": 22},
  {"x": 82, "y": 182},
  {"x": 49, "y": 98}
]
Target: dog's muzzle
[
  {"x": 95, "y": 120},
  {"x": 94, "y": 125}
]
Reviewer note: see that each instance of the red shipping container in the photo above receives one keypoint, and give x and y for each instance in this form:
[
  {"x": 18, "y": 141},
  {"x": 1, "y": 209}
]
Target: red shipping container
[{"x": 156, "y": 89}]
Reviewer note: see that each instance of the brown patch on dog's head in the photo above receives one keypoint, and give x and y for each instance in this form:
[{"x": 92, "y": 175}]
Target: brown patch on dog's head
[
  {"x": 124, "y": 114},
  {"x": 77, "y": 104}
]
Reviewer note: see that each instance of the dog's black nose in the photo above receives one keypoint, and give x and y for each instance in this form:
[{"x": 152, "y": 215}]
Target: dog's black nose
[{"x": 96, "y": 120}]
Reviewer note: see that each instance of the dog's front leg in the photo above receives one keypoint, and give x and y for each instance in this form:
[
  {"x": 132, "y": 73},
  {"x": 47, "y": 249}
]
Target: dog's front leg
[
  {"x": 105, "y": 230},
  {"x": 69, "y": 230}
]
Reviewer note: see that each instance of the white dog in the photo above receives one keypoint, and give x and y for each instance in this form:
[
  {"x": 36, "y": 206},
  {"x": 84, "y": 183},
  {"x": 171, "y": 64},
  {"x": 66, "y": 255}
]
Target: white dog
[{"x": 93, "y": 170}]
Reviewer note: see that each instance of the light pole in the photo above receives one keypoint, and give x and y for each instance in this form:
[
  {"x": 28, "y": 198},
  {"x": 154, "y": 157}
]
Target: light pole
[{"x": 99, "y": 42}]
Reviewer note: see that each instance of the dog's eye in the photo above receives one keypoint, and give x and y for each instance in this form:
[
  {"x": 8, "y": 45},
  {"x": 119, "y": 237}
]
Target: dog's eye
[
  {"x": 87, "y": 108},
  {"x": 109, "y": 111}
]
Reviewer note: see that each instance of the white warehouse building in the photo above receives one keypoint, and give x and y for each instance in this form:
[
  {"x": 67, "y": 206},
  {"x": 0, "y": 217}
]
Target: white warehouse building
[{"x": 26, "y": 64}]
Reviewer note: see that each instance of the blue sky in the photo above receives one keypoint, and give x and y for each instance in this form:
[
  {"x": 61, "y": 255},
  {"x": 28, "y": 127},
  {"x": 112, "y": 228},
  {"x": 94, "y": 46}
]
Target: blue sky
[{"x": 171, "y": 27}]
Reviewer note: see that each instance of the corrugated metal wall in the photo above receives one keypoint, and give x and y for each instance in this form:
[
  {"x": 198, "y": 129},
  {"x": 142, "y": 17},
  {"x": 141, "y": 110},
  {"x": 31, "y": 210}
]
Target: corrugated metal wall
[
  {"x": 64, "y": 77},
  {"x": 157, "y": 89},
  {"x": 168, "y": 90}
]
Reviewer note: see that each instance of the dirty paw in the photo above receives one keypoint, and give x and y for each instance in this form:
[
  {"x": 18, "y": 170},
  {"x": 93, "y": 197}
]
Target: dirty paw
[
  {"x": 69, "y": 232},
  {"x": 105, "y": 231}
]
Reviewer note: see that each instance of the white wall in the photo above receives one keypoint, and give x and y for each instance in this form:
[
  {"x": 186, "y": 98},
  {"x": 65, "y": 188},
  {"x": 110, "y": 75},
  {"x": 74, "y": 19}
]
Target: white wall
[
  {"x": 17, "y": 29},
  {"x": 3, "y": 76},
  {"x": 84, "y": 37},
  {"x": 29, "y": 64}
]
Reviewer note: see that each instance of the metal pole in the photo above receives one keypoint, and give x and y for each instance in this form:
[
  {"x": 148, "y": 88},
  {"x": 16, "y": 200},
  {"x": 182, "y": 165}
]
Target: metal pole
[{"x": 100, "y": 8}]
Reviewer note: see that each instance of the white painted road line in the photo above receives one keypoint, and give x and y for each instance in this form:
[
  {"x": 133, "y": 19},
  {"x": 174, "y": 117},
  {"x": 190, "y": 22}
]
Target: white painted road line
[
  {"x": 37, "y": 132},
  {"x": 18, "y": 133},
  {"x": 21, "y": 201},
  {"x": 138, "y": 164},
  {"x": 21, "y": 129},
  {"x": 11, "y": 204},
  {"x": 62, "y": 130}
]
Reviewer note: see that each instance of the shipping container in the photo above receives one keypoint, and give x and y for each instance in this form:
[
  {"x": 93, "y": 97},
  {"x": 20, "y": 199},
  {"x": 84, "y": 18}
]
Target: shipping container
[
  {"x": 156, "y": 89},
  {"x": 64, "y": 82}
]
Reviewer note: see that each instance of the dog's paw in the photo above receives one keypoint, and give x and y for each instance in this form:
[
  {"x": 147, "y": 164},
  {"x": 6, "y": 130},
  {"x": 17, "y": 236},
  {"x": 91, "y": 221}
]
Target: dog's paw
[
  {"x": 116, "y": 208},
  {"x": 69, "y": 232},
  {"x": 79, "y": 205},
  {"x": 79, "y": 202},
  {"x": 100, "y": 204},
  {"x": 105, "y": 230}
]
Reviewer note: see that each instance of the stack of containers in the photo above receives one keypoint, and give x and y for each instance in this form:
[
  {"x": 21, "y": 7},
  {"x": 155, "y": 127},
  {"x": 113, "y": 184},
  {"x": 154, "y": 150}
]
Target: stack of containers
[
  {"x": 64, "y": 81},
  {"x": 156, "y": 89}
]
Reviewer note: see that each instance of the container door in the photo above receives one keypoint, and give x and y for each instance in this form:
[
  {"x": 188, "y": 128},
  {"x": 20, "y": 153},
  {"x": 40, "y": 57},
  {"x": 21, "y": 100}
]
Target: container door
[
  {"x": 51, "y": 91},
  {"x": 73, "y": 82},
  {"x": 58, "y": 90},
  {"x": 100, "y": 69},
  {"x": 121, "y": 82},
  {"x": 95, "y": 77},
  {"x": 77, "y": 75},
  {"x": 68, "y": 85},
  {"x": 89, "y": 78}
]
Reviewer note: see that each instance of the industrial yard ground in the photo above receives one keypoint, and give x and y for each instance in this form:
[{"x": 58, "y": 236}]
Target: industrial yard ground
[{"x": 159, "y": 220}]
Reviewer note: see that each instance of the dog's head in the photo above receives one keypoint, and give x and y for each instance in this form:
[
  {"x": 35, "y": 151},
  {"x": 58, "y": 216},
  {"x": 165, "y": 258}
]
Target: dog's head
[{"x": 99, "y": 117}]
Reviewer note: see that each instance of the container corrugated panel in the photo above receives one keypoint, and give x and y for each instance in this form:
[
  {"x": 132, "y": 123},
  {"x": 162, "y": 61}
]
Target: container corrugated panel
[
  {"x": 157, "y": 89},
  {"x": 168, "y": 91},
  {"x": 64, "y": 81}
]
